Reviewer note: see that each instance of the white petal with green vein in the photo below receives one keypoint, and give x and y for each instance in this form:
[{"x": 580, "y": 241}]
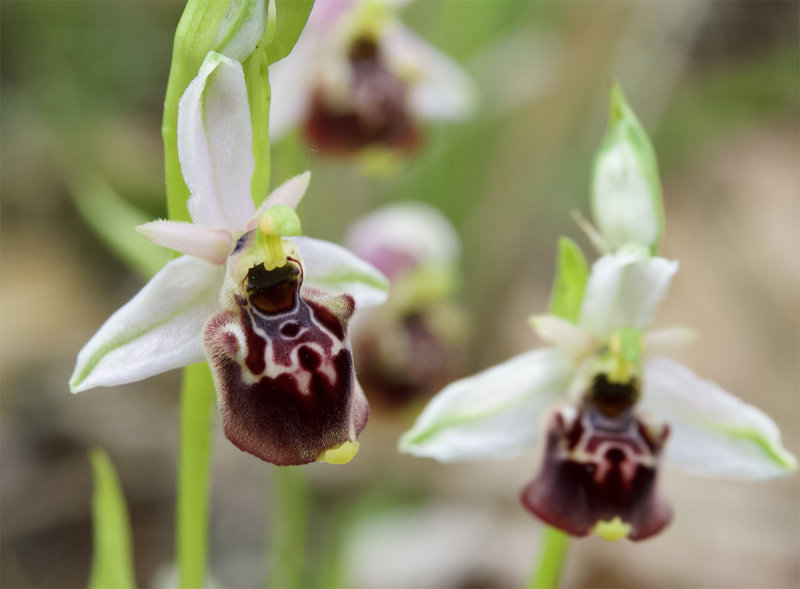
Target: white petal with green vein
[
  {"x": 494, "y": 414},
  {"x": 334, "y": 269},
  {"x": 157, "y": 330},
  {"x": 713, "y": 432}
]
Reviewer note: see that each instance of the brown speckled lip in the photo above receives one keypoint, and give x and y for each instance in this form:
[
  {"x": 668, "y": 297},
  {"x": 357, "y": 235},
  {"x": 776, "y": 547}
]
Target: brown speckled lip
[
  {"x": 285, "y": 379},
  {"x": 597, "y": 468},
  {"x": 376, "y": 116}
]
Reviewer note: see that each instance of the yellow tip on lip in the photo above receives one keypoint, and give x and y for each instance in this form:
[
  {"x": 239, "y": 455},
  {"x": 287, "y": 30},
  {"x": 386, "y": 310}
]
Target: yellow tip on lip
[
  {"x": 341, "y": 454},
  {"x": 613, "y": 530}
]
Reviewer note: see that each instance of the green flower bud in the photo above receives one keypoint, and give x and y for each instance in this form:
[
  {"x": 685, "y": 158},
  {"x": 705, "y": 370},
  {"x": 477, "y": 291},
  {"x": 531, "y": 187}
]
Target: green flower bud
[{"x": 625, "y": 187}]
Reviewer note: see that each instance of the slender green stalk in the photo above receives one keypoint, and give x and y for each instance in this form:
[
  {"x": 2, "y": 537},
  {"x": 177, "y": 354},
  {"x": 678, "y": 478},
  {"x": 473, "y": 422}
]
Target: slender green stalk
[
  {"x": 289, "y": 528},
  {"x": 552, "y": 553},
  {"x": 193, "y": 39},
  {"x": 198, "y": 405}
]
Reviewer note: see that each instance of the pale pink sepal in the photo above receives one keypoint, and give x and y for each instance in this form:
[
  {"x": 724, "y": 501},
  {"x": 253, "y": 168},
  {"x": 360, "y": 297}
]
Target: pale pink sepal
[
  {"x": 570, "y": 338},
  {"x": 157, "y": 330},
  {"x": 209, "y": 243},
  {"x": 439, "y": 86},
  {"x": 215, "y": 145}
]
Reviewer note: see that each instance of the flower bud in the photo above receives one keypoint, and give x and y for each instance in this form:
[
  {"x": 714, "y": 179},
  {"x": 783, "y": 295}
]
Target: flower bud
[{"x": 625, "y": 187}]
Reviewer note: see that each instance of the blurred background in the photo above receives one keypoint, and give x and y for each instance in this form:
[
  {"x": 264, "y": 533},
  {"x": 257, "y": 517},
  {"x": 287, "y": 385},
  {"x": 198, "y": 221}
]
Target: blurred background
[{"x": 714, "y": 83}]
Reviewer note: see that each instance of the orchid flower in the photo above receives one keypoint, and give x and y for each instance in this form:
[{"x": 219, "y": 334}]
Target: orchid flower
[
  {"x": 603, "y": 441},
  {"x": 412, "y": 345},
  {"x": 359, "y": 78},
  {"x": 267, "y": 308},
  {"x": 606, "y": 404}
]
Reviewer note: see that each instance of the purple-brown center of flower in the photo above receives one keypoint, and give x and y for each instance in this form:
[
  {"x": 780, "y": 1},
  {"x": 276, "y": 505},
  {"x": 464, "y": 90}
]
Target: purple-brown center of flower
[
  {"x": 374, "y": 111},
  {"x": 273, "y": 291},
  {"x": 613, "y": 399},
  {"x": 601, "y": 464}
]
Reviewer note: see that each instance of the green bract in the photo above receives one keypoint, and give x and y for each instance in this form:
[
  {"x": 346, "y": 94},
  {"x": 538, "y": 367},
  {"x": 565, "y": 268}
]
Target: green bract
[
  {"x": 571, "y": 275},
  {"x": 625, "y": 186}
]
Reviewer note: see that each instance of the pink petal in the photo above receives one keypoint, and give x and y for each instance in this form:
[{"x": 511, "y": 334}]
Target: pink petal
[
  {"x": 289, "y": 193},
  {"x": 208, "y": 243}
]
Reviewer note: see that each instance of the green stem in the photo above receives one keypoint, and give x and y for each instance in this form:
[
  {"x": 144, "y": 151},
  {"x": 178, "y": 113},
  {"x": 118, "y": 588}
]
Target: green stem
[
  {"x": 289, "y": 528},
  {"x": 198, "y": 405},
  {"x": 552, "y": 552}
]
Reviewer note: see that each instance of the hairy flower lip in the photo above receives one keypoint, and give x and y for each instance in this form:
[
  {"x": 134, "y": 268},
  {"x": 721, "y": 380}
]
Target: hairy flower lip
[{"x": 598, "y": 470}]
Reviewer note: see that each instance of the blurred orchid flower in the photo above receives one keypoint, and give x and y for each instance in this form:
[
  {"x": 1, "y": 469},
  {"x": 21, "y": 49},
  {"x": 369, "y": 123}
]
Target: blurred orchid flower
[
  {"x": 359, "y": 78},
  {"x": 603, "y": 443},
  {"x": 268, "y": 309},
  {"x": 412, "y": 345}
]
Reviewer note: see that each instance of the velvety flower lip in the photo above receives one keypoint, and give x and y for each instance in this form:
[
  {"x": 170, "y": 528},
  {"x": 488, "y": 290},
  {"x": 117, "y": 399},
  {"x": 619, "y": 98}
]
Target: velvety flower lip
[
  {"x": 497, "y": 413},
  {"x": 596, "y": 471},
  {"x": 357, "y": 77},
  {"x": 161, "y": 327}
]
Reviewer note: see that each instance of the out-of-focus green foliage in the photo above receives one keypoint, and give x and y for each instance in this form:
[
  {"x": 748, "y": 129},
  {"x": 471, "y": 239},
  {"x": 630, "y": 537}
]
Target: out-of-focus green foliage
[{"x": 112, "y": 565}]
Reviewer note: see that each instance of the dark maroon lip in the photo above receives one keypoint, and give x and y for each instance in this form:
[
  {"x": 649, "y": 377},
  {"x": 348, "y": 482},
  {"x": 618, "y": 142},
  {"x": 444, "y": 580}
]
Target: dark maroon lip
[
  {"x": 597, "y": 468},
  {"x": 285, "y": 377},
  {"x": 378, "y": 112}
]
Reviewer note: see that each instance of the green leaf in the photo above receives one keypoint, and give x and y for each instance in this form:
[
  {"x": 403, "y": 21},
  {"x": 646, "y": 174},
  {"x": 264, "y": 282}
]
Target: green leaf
[
  {"x": 112, "y": 219},
  {"x": 291, "y": 18},
  {"x": 625, "y": 186},
  {"x": 112, "y": 564},
  {"x": 572, "y": 271}
]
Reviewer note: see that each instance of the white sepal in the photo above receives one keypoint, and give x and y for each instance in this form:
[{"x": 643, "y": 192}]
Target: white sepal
[
  {"x": 334, "y": 269},
  {"x": 439, "y": 87},
  {"x": 157, "y": 330},
  {"x": 209, "y": 243},
  {"x": 713, "y": 432},
  {"x": 494, "y": 414},
  {"x": 624, "y": 290},
  {"x": 215, "y": 145}
]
